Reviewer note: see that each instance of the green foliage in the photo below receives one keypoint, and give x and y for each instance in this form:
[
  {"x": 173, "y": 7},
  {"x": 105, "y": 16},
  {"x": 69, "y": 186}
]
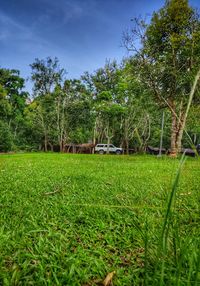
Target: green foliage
[
  {"x": 46, "y": 74},
  {"x": 172, "y": 50},
  {"x": 168, "y": 60},
  {"x": 6, "y": 139},
  {"x": 12, "y": 105}
]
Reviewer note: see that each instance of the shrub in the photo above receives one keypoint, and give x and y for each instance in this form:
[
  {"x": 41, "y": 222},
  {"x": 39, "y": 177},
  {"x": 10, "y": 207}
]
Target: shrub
[{"x": 6, "y": 140}]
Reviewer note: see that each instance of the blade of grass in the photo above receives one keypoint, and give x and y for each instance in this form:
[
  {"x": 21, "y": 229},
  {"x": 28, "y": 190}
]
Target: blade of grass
[{"x": 166, "y": 224}]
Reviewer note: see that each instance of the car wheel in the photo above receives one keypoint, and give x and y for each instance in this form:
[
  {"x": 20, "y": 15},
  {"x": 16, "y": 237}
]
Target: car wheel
[
  {"x": 101, "y": 152},
  {"x": 118, "y": 152}
]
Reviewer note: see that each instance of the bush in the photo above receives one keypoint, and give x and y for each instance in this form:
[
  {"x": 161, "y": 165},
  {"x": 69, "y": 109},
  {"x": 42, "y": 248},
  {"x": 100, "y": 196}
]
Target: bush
[{"x": 6, "y": 140}]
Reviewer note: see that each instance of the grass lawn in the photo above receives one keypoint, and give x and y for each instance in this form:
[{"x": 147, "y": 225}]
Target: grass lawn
[{"x": 72, "y": 219}]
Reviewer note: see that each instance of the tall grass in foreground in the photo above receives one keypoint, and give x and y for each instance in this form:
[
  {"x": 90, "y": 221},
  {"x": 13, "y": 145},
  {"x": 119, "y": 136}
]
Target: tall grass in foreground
[
  {"x": 168, "y": 221},
  {"x": 170, "y": 245}
]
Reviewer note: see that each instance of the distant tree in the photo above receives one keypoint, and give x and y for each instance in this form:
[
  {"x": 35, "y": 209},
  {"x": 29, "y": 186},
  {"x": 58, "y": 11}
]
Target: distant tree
[
  {"x": 135, "y": 120},
  {"x": 12, "y": 101},
  {"x": 103, "y": 85},
  {"x": 46, "y": 74},
  {"x": 79, "y": 111},
  {"x": 169, "y": 59}
]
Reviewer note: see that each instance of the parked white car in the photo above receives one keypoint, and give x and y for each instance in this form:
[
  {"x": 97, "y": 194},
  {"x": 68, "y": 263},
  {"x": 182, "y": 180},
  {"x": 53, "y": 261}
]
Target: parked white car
[{"x": 102, "y": 149}]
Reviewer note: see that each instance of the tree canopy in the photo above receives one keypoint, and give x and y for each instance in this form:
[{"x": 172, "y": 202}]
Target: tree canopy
[{"x": 120, "y": 103}]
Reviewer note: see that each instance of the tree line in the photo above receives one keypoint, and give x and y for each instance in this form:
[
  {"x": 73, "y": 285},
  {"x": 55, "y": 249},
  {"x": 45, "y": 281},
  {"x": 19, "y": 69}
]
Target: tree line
[{"x": 119, "y": 103}]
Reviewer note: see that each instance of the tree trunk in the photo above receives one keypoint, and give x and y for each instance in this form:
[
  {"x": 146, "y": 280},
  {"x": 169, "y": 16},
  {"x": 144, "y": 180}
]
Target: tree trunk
[
  {"x": 179, "y": 140},
  {"x": 58, "y": 120},
  {"x": 127, "y": 146},
  {"x": 179, "y": 135},
  {"x": 173, "y": 151},
  {"x": 94, "y": 136},
  {"x": 15, "y": 133},
  {"x": 161, "y": 135},
  {"x": 51, "y": 146},
  {"x": 45, "y": 143},
  {"x": 108, "y": 144},
  {"x": 126, "y": 139},
  {"x": 195, "y": 139},
  {"x": 45, "y": 132},
  {"x": 61, "y": 145},
  {"x": 108, "y": 139}
]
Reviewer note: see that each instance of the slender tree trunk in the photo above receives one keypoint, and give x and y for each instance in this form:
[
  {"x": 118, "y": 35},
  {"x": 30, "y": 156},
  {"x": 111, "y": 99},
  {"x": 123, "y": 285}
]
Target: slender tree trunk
[
  {"x": 94, "y": 136},
  {"x": 145, "y": 141},
  {"x": 126, "y": 139},
  {"x": 62, "y": 126},
  {"x": 108, "y": 144},
  {"x": 127, "y": 146},
  {"x": 45, "y": 142},
  {"x": 173, "y": 150},
  {"x": 45, "y": 132},
  {"x": 195, "y": 138},
  {"x": 161, "y": 136},
  {"x": 15, "y": 133},
  {"x": 180, "y": 129},
  {"x": 108, "y": 140},
  {"x": 61, "y": 145},
  {"x": 9, "y": 123},
  {"x": 139, "y": 139},
  {"x": 51, "y": 146},
  {"x": 58, "y": 119}
]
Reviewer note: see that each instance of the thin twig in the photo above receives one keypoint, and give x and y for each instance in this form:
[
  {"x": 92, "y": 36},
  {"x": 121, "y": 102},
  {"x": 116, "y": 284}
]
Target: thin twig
[{"x": 52, "y": 193}]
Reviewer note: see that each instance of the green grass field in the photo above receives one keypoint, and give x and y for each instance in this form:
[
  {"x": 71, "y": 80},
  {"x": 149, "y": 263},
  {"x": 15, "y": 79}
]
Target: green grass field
[{"x": 72, "y": 219}]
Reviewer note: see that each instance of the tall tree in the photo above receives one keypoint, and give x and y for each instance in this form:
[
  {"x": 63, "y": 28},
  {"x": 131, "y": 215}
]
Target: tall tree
[
  {"x": 169, "y": 59},
  {"x": 46, "y": 74},
  {"x": 103, "y": 85},
  {"x": 12, "y": 101}
]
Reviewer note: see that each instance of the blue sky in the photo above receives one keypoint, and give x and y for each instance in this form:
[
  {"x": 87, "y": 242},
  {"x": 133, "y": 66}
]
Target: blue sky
[{"x": 81, "y": 33}]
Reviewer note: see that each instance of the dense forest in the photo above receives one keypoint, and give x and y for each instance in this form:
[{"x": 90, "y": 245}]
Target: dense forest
[{"x": 119, "y": 103}]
